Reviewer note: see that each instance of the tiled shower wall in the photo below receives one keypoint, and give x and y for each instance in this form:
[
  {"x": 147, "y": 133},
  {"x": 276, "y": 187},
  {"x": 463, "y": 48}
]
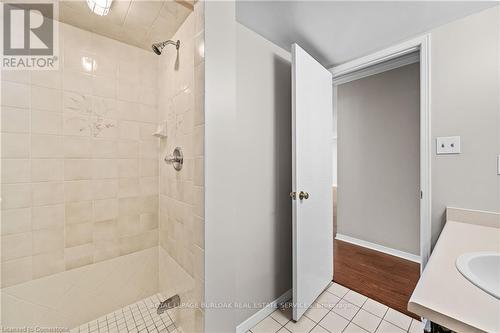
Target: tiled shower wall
[
  {"x": 80, "y": 182},
  {"x": 79, "y": 163},
  {"x": 180, "y": 104}
]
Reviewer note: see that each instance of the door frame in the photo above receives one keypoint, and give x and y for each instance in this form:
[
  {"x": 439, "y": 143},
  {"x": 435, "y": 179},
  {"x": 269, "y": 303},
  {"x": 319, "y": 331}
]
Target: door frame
[{"x": 421, "y": 44}]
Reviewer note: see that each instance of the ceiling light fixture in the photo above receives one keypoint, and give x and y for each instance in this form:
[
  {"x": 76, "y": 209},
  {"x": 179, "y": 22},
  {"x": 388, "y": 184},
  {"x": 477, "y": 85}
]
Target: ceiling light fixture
[{"x": 99, "y": 7}]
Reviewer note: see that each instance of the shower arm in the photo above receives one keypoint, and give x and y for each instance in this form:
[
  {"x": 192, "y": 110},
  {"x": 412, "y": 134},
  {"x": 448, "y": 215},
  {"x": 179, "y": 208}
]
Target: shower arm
[{"x": 177, "y": 44}]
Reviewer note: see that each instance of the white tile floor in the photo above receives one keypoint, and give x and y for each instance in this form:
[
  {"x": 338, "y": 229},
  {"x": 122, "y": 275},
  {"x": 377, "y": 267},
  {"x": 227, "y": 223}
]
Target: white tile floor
[
  {"x": 134, "y": 318},
  {"x": 338, "y": 310}
]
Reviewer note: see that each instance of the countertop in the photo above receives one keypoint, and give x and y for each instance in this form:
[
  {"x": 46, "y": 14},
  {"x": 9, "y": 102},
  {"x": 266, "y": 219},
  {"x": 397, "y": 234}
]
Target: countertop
[{"x": 442, "y": 294}]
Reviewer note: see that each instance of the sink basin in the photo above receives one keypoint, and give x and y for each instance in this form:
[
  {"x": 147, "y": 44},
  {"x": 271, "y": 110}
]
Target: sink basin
[{"x": 482, "y": 269}]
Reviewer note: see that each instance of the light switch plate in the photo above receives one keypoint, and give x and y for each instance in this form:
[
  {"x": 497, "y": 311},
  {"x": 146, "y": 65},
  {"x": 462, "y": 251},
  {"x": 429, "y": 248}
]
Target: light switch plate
[{"x": 448, "y": 145}]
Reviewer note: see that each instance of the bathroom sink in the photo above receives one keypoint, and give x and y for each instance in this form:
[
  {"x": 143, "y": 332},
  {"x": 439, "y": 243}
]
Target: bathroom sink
[{"x": 482, "y": 269}]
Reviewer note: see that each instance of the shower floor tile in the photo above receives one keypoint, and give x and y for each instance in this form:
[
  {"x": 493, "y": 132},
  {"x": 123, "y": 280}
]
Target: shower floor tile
[{"x": 140, "y": 317}]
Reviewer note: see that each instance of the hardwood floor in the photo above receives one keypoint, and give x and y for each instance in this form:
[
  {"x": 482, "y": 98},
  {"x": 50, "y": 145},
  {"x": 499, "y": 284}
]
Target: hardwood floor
[{"x": 387, "y": 279}]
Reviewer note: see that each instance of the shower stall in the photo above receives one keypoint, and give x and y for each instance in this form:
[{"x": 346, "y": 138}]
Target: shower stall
[{"x": 102, "y": 173}]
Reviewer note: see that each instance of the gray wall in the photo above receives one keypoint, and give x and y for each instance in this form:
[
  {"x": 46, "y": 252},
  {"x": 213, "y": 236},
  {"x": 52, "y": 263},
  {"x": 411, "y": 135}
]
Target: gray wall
[
  {"x": 465, "y": 101},
  {"x": 248, "y": 174},
  {"x": 378, "y": 158}
]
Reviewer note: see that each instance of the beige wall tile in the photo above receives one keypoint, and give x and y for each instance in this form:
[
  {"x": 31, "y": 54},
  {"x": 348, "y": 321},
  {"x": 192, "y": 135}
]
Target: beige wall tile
[
  {"x": 199, "y": 48},
  {"x": 128, "y": 149},
  {"x": 79, "y": 212},
  {"x": 199, "y": 172},
  {"x": 19, "y": 76},
  {"x": 46, "y": 99},
  {"x": 46, "y": 170},
  {"x": 17, "y": 246},
  {"x": 129, "y": 130},
  {"x": 105, "y": 188},
  {"x": 148, "y": 221},
  {"x": 199, "y": 232},
  {"x": 104, "y": 86},
  {"x": 77, "y": 82},
  {"x": 104, "y": 127},
  {"x": 105, "y": 231},
  {"x": 128, "y": 225},
  {"x": 79, "y": 151},
  {"x": 16, "y": 271},
  {"x": 127, "y": 92},
  {"x": 46, "y": 146},
  {"x": 106, "y": 209},
  {"x": 106, "y": 250},
  {"x": 104, "y": 168},
  {"x": 80, "y": 190},
  {"x": 47, "y": 217},
  {"x": 199, "y": 263},
  {"x": 148, "y": 167},
  {"x": 48, "y": 263},
  {"x": 78, "y": 103},
  {"x": 77, "y": 124},
  {"x": 78, "y": 256},
  {"x": 43, "y": 122},
  {"x": 78, "y": 234},
  {"x": 129, "y": 206},
  {"x": 138, "y": 242},
  {"x": 199, "y": 108},
  {"x": 198, "y": 141},
  {"x": 15, "y": 171},
  {"x": 16, "y": 221},
  {"x": 149, "y": 204},
  {"x": 128, "y": 187},
  {"x": 48, "y": 240},
  {"x": 128, "y": 168},
  {"x": 199, "y": 201},
  {"x": 77, "y": 147},
  {"x": 148, "y": 150},
  {"x": 103, "y": 148},
  {"x": 149, "y": 186},
  {"x": 16, "y": 196},
  {"x": 146, "y": 132},
  {"x": 78, "y": 169},
  {"x": 47, "y": 193},
  {"x": 48, "y": 79},
  {"x": 148, "y": 113},
  {"x": 15, "y": 94},
  {"x": 15, "y": 145},
  {"x": 15, "y": 119}
]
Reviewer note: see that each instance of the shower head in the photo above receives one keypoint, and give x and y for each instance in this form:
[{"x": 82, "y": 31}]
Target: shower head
[{"x": 158, "y": 47}]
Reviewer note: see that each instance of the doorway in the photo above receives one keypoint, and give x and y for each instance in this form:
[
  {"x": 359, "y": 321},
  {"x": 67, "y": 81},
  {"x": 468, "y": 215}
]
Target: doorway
[{"x": 382, "y": 202}]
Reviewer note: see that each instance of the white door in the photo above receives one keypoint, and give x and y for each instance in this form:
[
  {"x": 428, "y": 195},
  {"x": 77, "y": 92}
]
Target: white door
[{"x": 312, "y": 172}]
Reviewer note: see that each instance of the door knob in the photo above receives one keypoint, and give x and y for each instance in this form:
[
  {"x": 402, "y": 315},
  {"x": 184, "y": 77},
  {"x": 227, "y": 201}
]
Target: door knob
[
  {"x": 293, "y": 195},
  {"x": 303, "y": 195}
]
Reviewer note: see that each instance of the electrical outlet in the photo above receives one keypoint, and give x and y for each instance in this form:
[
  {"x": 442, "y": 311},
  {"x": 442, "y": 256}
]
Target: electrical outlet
[{"x": 448, "y": 145}]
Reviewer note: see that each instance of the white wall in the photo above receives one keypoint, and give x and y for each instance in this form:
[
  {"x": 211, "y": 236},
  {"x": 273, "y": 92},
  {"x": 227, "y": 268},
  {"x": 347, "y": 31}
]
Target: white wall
[
  {"x": 248, "y": 175},
  {"x": 263, "y": 94},
  {"x": 465, "y": 101},
  {"x": 221, "y": 237}
]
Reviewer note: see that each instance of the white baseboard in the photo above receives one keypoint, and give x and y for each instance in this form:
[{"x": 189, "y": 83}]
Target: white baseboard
[
  {"x": 263, "y": 313},
  {"x": 380, "y": 248}
]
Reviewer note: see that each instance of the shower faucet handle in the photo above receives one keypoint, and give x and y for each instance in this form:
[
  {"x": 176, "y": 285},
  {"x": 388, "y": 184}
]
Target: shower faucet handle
[
  {"x": 176, "y": 159},
  {"x": 172, "y": 159}
]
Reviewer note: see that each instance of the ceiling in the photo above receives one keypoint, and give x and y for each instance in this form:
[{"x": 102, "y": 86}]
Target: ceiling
[
  {"x": 135, "y": 22},
  {"x": 337, "y": 31}
]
